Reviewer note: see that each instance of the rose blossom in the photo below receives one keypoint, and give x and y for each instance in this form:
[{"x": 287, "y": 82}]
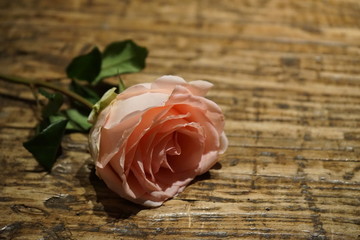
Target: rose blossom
[{"x": 154, "y": 138}]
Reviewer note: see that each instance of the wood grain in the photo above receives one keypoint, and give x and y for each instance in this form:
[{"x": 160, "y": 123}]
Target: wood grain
[{"x": 286, "y": 74}]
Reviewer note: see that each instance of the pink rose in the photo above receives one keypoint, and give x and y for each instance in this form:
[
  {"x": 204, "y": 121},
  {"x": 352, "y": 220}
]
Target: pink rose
[{"x": 154, "y": 138}]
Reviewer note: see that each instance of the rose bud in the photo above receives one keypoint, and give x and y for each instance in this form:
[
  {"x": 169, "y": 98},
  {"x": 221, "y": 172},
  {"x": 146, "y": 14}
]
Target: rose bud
[{"x": 152, "y": 139}]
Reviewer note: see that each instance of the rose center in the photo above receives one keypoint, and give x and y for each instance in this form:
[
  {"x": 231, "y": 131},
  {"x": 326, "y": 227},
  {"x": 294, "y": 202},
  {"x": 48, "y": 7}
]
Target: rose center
[{"x": 183, "y": 152}]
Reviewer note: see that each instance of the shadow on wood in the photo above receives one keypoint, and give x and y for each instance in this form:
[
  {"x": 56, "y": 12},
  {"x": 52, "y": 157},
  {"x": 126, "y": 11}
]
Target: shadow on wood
[{"x": 105, "y": 200}]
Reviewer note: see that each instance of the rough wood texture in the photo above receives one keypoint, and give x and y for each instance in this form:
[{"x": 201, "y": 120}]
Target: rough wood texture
[{"x": 286, "y": 73}]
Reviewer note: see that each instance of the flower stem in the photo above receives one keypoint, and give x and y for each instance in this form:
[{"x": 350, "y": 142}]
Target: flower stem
[{"x": 41, "y": 83}]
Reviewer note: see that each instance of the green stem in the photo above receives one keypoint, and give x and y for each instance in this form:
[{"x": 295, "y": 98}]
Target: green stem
[
  {"x": 48, "y": 85},
  {"x": 121, "y": 84}
]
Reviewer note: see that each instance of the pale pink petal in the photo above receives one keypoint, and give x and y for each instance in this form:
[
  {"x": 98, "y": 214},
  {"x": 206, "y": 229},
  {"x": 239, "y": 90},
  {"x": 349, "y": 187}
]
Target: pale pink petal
[
  {"x": 199, "y": 116},
  {"x": 94, "y": 139},
  {"x": 224, "y": 142},
  {"x": 153, "y": 134},
  {"x": 147, "y": 120},
  {"x": 157, "y": 143},
  {"x": 208, "y": 108},
  {"x": 135, "y": 90},
  {"x": 112, "y": 139},
  {"x": 121, "y": 109},
  {"x": 113, "y": 182},
  {"x": 199, "y": 87},
  {"x": 139, "y": 173},
  {"x": 168, "y": 82},
  {"x": 207, "y": 161}
]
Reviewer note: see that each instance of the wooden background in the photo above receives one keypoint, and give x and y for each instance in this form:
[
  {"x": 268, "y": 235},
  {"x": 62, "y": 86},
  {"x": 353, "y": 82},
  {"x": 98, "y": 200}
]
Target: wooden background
[{"x": 286, "y": 74}]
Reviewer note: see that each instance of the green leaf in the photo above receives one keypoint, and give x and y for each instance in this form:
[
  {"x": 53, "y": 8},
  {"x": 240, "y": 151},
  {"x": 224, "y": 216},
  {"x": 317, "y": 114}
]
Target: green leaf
[
  {"x": 54, "y": 104},
  {"x": 78, "y": 119},
  {"x": 122, "y": 57},
  {"x": 46, "y": 145},
  {"x": 58, "y": 117},
  {"x": 84, "y": 91},
  {"x": 71, "y": 126},
  {"x": 85, "y": 67}
]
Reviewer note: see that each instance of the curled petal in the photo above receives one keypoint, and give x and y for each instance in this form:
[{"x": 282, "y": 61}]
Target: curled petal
[{"x": 199, "y": 87}]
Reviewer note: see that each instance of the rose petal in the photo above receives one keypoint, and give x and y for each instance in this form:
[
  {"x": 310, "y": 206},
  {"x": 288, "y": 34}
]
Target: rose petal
[
  {"x": 207, "y": 161},
  {"x": 135, "y": 90},
  {"x": 113, "y": 138},
  {"x": 199, "y": 87},
  {"x": 147, "y": 133},
  {"x": 94, "y": 140},
  {"x": 139, "y": 173},
  {"x": 114, "y": 182},
  {"x": 123, "y": 108},
  {"x": 223, "y": 143},
  {"x": 211, "y": 110},
  {"x": 147, "y": 120},
  {"x": 189, "y": 141},
  {"x": 173, "y": 147},
  {"x": 168, "y": 82}
]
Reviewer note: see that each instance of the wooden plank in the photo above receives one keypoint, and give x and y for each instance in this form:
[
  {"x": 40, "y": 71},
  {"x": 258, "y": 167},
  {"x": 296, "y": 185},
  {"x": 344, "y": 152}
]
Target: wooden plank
[{"x": 286, "y": 74}]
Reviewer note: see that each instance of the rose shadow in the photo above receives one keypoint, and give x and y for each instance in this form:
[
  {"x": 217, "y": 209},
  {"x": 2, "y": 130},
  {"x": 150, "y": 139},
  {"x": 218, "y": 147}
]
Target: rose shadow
[
  {"x": 105, "y": 201},
  {"x": 203, "y": 177},
  {"x": 108, "y": 203}
]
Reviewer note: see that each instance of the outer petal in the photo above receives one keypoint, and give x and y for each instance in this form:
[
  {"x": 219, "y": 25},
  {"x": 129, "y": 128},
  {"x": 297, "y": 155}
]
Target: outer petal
[
  {"x": 224, "y": 142},
  {"x": 94, "y": 136},
  {"x": 169, "y": 82},
  {"x": 199, "y": 87},
  {"x": 122, "y": 108}
]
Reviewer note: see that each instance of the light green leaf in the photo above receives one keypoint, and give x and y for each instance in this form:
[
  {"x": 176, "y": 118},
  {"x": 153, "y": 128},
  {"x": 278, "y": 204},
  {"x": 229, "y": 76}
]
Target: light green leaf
[
  {"x": 71, "y": 126},
  {"x": 46, "y": 145},
  {"x": 85, "y": 67},
  {"x": 78, "y": 119},
  {"x": 122, "y": 57},
  {"x": 105, "y": 100}
]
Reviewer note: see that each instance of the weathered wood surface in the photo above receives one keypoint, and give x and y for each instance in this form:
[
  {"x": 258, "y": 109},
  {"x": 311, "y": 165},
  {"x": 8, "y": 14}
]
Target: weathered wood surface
[{"x": 286, "y": 73}]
